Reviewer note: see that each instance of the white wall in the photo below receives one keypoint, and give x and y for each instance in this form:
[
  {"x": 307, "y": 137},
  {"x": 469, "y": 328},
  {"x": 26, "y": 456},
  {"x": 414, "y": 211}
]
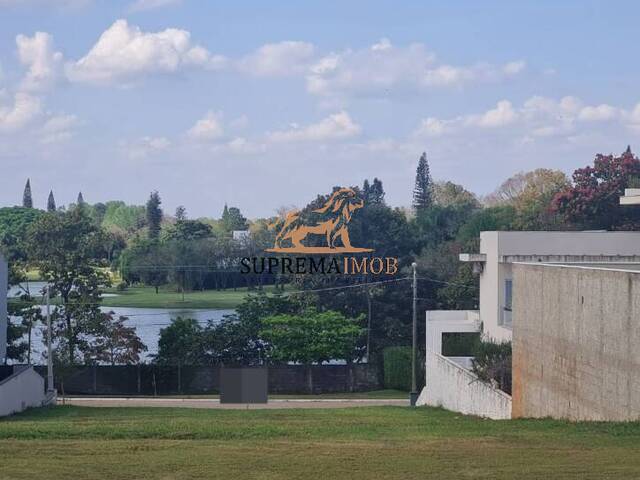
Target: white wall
[
  {"x": 3, "y": 308},
  {"x": 21, "y": 391},
  {"x": 450, "y": 386}
]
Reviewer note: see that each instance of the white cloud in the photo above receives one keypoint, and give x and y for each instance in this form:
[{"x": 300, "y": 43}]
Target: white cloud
[
  {"x": 432, "y": 127},
  {"x": 145, "y": 146},
  {"x": 208, "y": 127},
  {"x": 45, "y": 3},
  {"x": 38, "y": 55},
  {"x": 334, "y": 127},
  {"x": 58, "y": 128},
  {"x": 500, "y": 116},
  {"x": 239, "y": 123},
  {"x": 143, "y": 5},
  {"x": 242, "y": 146},
  {"x": 383, "y": 68},
  {"x": 278, "y": 59},
  {"x": 24, "y": 110},
  {"x": 537, "y": 117},
  {"x": 513, "y": 68},
  {"x": 125, "y": 53},
  {"x": 598, "y": 113}
]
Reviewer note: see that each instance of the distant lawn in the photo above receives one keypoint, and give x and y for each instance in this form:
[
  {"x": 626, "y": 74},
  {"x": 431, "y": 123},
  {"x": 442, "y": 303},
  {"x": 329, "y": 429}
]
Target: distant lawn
[
  {"x": 356, "y": 443},
  {"x": 146, "y": 297}
]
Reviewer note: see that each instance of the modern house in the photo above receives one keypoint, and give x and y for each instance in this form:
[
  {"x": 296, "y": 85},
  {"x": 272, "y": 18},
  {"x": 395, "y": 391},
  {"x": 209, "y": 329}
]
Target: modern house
[
  {"x": 21, "y": 387},
  {"x": 499, "y": 252}
]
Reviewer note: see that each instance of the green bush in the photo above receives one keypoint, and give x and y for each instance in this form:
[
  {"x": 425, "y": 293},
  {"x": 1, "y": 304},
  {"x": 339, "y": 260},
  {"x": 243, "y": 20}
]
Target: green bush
[
  {"x": 492, "y": 364},
  {"x": 397, "y": 368}
]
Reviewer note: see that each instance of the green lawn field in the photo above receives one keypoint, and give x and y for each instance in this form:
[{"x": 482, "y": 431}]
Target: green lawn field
[
  {"x": 146, "y": 297},
  {"x": 353, "y": 443}
]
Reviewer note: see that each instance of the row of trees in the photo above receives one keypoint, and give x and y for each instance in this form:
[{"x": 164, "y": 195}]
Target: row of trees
[{"x": 74, "y": 249}]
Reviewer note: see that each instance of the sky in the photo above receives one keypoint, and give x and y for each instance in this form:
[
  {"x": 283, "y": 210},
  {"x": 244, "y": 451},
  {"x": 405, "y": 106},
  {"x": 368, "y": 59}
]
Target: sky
[{"x": 266, "y": 104}]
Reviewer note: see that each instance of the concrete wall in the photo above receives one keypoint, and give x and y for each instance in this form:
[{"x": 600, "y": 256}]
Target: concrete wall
[
  {"x": 450, "y": 386},
  {"x": 576, "y": 343},
  {"x": 496, "y": 245},
  {"x": 3, "y": 309},
  {"x": 24, "y": 389}
]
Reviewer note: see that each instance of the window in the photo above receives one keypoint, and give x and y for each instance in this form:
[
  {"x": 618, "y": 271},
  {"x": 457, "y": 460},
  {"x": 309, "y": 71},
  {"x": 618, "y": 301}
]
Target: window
[{"x": 508, "y": 292}]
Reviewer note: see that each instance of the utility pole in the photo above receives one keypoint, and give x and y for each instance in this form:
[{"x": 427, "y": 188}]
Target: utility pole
[
  {"x": 49, "y": 350},
  {"x": 414, "y": 350},
  {"x": 368, "y": 323}
]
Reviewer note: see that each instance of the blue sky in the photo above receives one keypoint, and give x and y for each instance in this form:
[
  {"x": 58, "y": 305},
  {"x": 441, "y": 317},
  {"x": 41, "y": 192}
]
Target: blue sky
[{"x": 264, "y": 104}]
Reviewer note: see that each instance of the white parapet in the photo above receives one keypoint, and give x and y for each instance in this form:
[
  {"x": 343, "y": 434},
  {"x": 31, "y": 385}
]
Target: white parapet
[
  {"x": 450, "y": 386},
  {"x": 21, "y": 390}
]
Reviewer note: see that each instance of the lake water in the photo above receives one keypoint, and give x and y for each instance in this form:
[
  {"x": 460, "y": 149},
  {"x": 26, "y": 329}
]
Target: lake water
[{"x": 148, "y": 321}]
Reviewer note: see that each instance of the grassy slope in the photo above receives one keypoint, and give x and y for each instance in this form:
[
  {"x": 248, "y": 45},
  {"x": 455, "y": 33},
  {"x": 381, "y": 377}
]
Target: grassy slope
[{"x": 376, "y": 442}]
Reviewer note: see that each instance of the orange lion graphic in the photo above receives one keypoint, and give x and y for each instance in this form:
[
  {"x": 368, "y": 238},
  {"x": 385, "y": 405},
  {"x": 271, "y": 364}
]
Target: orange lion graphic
[{"x": 331, "y": 221}]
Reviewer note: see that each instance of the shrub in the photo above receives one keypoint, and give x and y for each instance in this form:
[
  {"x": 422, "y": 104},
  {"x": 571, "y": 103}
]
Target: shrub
[
  {"x": 397, "y": 368},
  {"x": 492, "y": 364}
]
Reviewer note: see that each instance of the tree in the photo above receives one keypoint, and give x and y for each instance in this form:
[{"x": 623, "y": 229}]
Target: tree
[
  {"x": 531, "y": 194},
  {"x": 64, "y": 247},
  {"x": 311, "y": 337},
  {"x": 592, "y": 201},
  {"x": 449, "y": 194},
  {"x": 501, "y": 217},
  {"x": 80, "y": 201},
  {"x": 128, "y": 218},
  {"x": 236, "y": 339},
  {"x": 373, "y": 193},
  {"x": 232, "y": 219},
  {"x": 181, "y": 213},
  {"x": 154, "y": 215},
  {"x": 98, "y": 212},
  {"x": 180, "y": 343},
  {"x": 422, "y": 191},
  {"x": 27, "y": 200},
  {"x": 51, "y": 202},
  {"x": 117, "y": 344},
  {"x": 187, "y": 230}
]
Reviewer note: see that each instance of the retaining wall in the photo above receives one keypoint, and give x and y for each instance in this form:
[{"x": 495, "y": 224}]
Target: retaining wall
[
  {"x": 450, "y": 386},
  {"x": 576, "y": 343}
]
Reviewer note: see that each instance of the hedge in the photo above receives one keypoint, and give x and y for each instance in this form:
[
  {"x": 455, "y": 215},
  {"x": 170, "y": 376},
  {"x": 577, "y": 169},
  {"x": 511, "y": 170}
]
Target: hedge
[{"x": 397, "y": 368}]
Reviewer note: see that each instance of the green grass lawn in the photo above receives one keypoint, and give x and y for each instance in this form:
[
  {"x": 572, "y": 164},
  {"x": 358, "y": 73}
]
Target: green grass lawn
[
  {"x": 357, "y": 443},
  {"x": 146, "y": 297}
]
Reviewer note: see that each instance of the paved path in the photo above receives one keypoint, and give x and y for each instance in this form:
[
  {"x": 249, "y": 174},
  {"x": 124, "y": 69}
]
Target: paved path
[{"x": 215, "y": 403}]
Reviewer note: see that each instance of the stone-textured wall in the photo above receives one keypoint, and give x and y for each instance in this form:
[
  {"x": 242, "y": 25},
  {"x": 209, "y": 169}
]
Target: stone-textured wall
[
  {"x": 576, "y": 343},
  {"x": 163, "y": 380},
  {"x": 450, "y": 386}
]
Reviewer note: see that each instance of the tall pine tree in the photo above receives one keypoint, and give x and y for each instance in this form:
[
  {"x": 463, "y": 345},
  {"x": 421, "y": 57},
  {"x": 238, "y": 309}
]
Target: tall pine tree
[
  {"x": 51, "y": 202},
  {"x": 376, "y": 192},
  {"x": 27, "y": 200},
  {"x": 80, "y": 201},
  {"x": 154, "y": 215},
  {"x": 422, "y": 190},
  {"x": 181, "y": 213}
]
